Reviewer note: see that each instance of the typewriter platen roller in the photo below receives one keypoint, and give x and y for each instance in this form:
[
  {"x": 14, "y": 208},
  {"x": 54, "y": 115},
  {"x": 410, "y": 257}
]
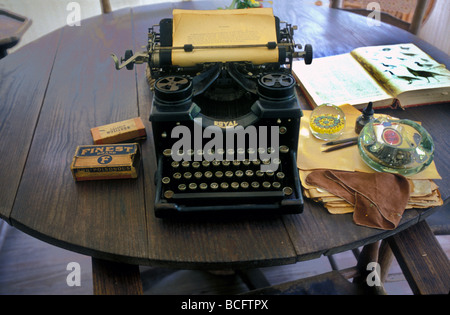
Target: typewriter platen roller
[{"x": 225, "y": 133}]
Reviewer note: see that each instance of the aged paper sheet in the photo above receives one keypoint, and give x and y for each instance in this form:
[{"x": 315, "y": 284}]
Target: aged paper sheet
[{"x": 224, "y": 27}]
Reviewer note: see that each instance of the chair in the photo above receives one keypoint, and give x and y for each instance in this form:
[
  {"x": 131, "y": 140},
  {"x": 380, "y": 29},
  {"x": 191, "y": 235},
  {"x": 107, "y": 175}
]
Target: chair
[
  {"x": 335, "y": 282},
  {"x": 106, "y": 6},
  {"x": 439, "y": 221},
  {"x": 12, "y": 27},
  {"x": 406, "y": 14},
  {"x": 421, "y": 258}
]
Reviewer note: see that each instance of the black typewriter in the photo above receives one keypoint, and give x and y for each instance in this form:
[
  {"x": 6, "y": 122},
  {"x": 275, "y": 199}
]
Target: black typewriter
[{"x": 225, "y": 133}]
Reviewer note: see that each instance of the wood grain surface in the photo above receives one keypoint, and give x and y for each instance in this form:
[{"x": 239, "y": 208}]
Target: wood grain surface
[{"x": 56, "y": 89}]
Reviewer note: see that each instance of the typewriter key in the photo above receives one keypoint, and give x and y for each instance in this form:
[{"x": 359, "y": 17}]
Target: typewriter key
[
  {"x": 205, "y": 163},
  {"x": 225, "y": 163},
  {"x": 280, "y": 175},
  {"x": 256, "y": 162},
  {"x": 236, "y": 162},
  {"x": 198, "y": 175},
  {"x": 177, "y": 175},
  {"x": 255, "y": 185},
  {"x": 208, "y": 174},
  {"x": 168, "y": 194},
  {"x": 224, "y": 185},
  {"x": 249, "y": 173},
  {"x": 187, "y": 175},
  {"x": 269, "y": 173},
  {"x": 192, "y": 186},
  {"x": 215, "y": 163},
  {"x": 235, "y": 185},
  {"x": 209, "y": 154},
  {"x": 195, "y": 164},
  {"x": 166, "y": 180},
  {"x": 167, "y": 152},
  {"x": 182, "y": 187},
  {"x": 185, "y": 164},
  {"x": 276, "y": 185},
  {"x": 239, "y": 173},
  {"x": 259, "y": 173},
  {"x": 244, "y": 185},
  {"x": 284, "y": 149},
  {"x": 229, "y": 174},
  {"x": 246, "y": 162},
  {"x": 203, "y": 186},
  {"x": 288, "y": 191},
  {"x": 219, "y": 174},
  {"x": 266, "y": 185},
  {"x": 214, "y": 186},
  {"x": 266, "y": 161},
  {"x": 175, "y": 164}
]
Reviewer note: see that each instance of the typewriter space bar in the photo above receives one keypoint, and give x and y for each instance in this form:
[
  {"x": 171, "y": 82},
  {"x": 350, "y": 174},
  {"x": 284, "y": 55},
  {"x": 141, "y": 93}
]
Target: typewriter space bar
[{"x": 230, "y": 197}]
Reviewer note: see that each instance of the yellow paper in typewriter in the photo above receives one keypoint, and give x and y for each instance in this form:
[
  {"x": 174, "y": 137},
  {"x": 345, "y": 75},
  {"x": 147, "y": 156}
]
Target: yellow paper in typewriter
[{"x": 223, "y": 28}]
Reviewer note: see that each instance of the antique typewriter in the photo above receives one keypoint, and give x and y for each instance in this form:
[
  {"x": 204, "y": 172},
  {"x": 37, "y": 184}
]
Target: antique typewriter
[{"x": 225, "y": 133}]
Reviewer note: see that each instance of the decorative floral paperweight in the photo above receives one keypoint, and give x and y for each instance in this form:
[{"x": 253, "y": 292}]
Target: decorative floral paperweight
[
  {"x": 327, "y": 122},
  {"x": 396, "y": 146}
]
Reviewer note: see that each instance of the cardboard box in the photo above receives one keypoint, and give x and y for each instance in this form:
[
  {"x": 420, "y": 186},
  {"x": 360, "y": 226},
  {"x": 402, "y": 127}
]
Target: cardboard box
[
  {"x": 123, "y": 131},
  {"x": 112, "y": 161}
]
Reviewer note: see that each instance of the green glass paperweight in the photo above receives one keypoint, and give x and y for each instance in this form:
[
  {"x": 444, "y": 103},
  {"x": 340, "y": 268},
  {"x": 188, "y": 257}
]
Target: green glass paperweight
[{"x": 396, "y": 146}]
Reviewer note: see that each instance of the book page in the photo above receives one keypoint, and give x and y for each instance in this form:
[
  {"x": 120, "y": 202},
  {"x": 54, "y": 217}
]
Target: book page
[
  {"x": 224, "y": 28},
  {"x": 339, "y": 80},
  {"x": 403, "y": 67}
]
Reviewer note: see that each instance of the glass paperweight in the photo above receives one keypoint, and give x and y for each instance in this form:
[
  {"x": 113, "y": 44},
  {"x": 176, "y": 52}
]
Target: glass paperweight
[
  {"x": 396, "y": 146},
  {"x": 327, "y": 122}
]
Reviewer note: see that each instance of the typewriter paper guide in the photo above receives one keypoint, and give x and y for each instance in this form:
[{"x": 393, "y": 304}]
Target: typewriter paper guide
[{"x": 223, "y": 27}]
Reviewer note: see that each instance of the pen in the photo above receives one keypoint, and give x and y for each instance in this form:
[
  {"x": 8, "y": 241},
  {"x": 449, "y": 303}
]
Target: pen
[
  {"x": 341, "y": 146},
  {"x": 341, "y": 141}
]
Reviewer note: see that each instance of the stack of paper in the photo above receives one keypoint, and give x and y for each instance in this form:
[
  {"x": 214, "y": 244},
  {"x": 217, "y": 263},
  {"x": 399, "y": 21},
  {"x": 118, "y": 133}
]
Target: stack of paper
[{"x": 424, "y": 192}]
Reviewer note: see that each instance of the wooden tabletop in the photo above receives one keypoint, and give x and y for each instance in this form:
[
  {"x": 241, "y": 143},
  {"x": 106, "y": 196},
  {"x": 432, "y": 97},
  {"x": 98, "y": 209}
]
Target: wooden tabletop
[{"x": 55, "y": 89}]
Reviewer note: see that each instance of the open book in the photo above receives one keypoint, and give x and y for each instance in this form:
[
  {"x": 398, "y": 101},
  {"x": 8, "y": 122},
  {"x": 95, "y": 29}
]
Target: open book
[{"x": 394, "y": 75}]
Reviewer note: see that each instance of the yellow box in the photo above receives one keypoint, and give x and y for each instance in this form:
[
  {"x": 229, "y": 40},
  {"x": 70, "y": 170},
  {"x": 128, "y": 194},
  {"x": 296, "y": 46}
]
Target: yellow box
[
  {"x": 111, "y": 161},
  {"x": 122, "y": 131}
]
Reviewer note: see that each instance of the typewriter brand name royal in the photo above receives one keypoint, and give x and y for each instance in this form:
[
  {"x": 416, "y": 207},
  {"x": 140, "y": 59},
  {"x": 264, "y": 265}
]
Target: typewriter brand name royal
[{"x": 225, "y": 124}]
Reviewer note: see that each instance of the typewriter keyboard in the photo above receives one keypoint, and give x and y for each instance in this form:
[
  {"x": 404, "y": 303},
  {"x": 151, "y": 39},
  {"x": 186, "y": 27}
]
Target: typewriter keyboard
[{"x": 222, "y": 181}]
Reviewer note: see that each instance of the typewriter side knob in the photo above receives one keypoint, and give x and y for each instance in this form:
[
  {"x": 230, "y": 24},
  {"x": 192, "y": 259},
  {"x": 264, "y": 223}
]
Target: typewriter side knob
[
  {"x": 173, "y": 89},
  {"x": 128, "y": 55},
  {"x": 276, "y": 86},
  {"x": 308, "y": 57}
]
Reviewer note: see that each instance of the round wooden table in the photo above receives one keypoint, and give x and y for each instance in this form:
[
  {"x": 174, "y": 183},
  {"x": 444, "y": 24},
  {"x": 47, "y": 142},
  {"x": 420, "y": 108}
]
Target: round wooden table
[{"x": 54, "y": 90}]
